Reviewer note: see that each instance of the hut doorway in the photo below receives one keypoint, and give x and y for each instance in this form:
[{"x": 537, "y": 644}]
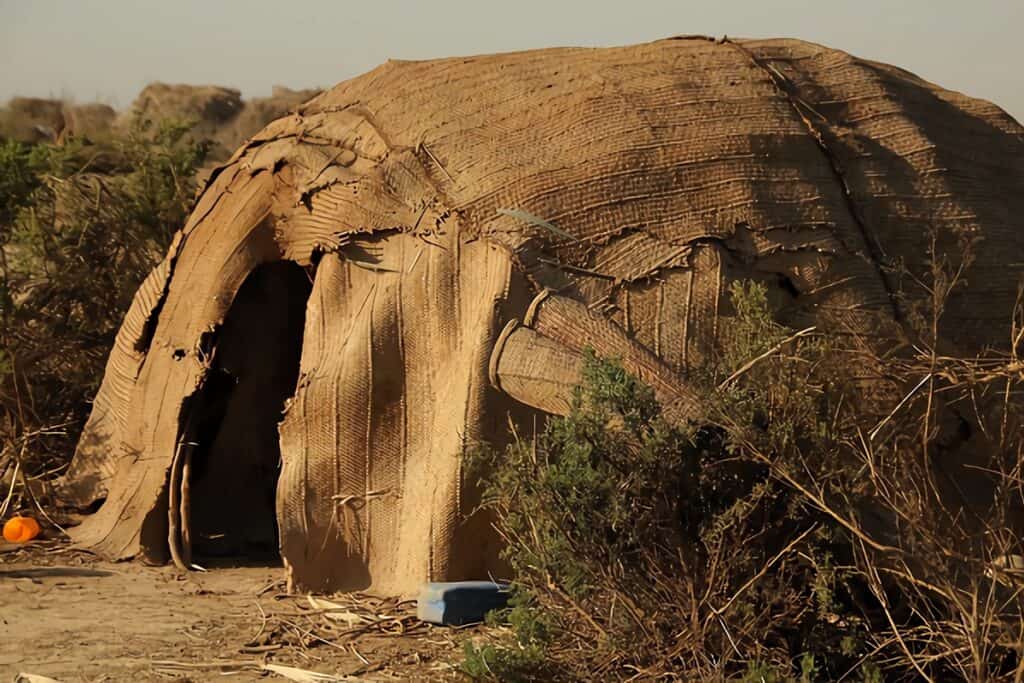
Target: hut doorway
[{"x": 233, "y": 421}]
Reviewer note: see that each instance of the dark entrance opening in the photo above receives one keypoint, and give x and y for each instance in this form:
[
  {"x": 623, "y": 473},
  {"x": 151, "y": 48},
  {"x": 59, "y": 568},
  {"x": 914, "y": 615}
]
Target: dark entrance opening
[{"x": 236, "y": 456}]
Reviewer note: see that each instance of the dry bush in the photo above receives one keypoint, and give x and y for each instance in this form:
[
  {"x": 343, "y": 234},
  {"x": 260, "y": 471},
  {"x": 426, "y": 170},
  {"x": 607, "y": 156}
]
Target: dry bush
[
  {"x": 789, "y": 536},
  {"x": 80, "y": 226}
]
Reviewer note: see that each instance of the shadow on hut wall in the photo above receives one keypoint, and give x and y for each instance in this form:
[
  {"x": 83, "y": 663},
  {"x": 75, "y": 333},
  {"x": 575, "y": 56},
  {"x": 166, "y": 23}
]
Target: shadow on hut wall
[
  {"x": 960, "y": 171},
  {"x": 950, "y": 172},
  {"x": 237, "y": 458},
  {"x": 961, "y": 181}
]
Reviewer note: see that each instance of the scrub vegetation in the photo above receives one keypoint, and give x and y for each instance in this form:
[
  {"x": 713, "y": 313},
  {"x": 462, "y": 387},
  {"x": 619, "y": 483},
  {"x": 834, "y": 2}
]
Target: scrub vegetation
[{"x": 782, "y": 538}]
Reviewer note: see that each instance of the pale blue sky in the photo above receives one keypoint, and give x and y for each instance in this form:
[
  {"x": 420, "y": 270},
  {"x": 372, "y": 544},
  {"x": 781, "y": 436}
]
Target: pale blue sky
[{"x": 107, "y": 50}]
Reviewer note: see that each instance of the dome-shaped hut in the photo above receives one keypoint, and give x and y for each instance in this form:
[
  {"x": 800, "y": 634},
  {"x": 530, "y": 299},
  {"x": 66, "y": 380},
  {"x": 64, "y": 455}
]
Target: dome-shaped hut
[{"x": 378, "y": 280}]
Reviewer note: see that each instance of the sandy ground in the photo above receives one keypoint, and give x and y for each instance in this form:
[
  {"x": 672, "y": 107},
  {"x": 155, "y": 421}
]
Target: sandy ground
[{"x": 66, "y": 615}]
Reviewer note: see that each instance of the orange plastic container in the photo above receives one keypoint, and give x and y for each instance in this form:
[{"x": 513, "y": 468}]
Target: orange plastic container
[{"x": 20, "y": 529}]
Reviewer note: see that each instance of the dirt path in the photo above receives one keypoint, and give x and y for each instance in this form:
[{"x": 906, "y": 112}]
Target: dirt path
[{"x": 70, "y": 617}]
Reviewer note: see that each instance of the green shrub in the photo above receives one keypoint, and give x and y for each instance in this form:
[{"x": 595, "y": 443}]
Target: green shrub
[
  {"x": 638, "y": 539},
  {"x": 503, "y": 663}
]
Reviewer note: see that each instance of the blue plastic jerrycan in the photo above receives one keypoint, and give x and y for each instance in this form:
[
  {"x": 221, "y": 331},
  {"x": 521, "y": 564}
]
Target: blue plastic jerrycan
[{"x": 460, "y": 602}]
